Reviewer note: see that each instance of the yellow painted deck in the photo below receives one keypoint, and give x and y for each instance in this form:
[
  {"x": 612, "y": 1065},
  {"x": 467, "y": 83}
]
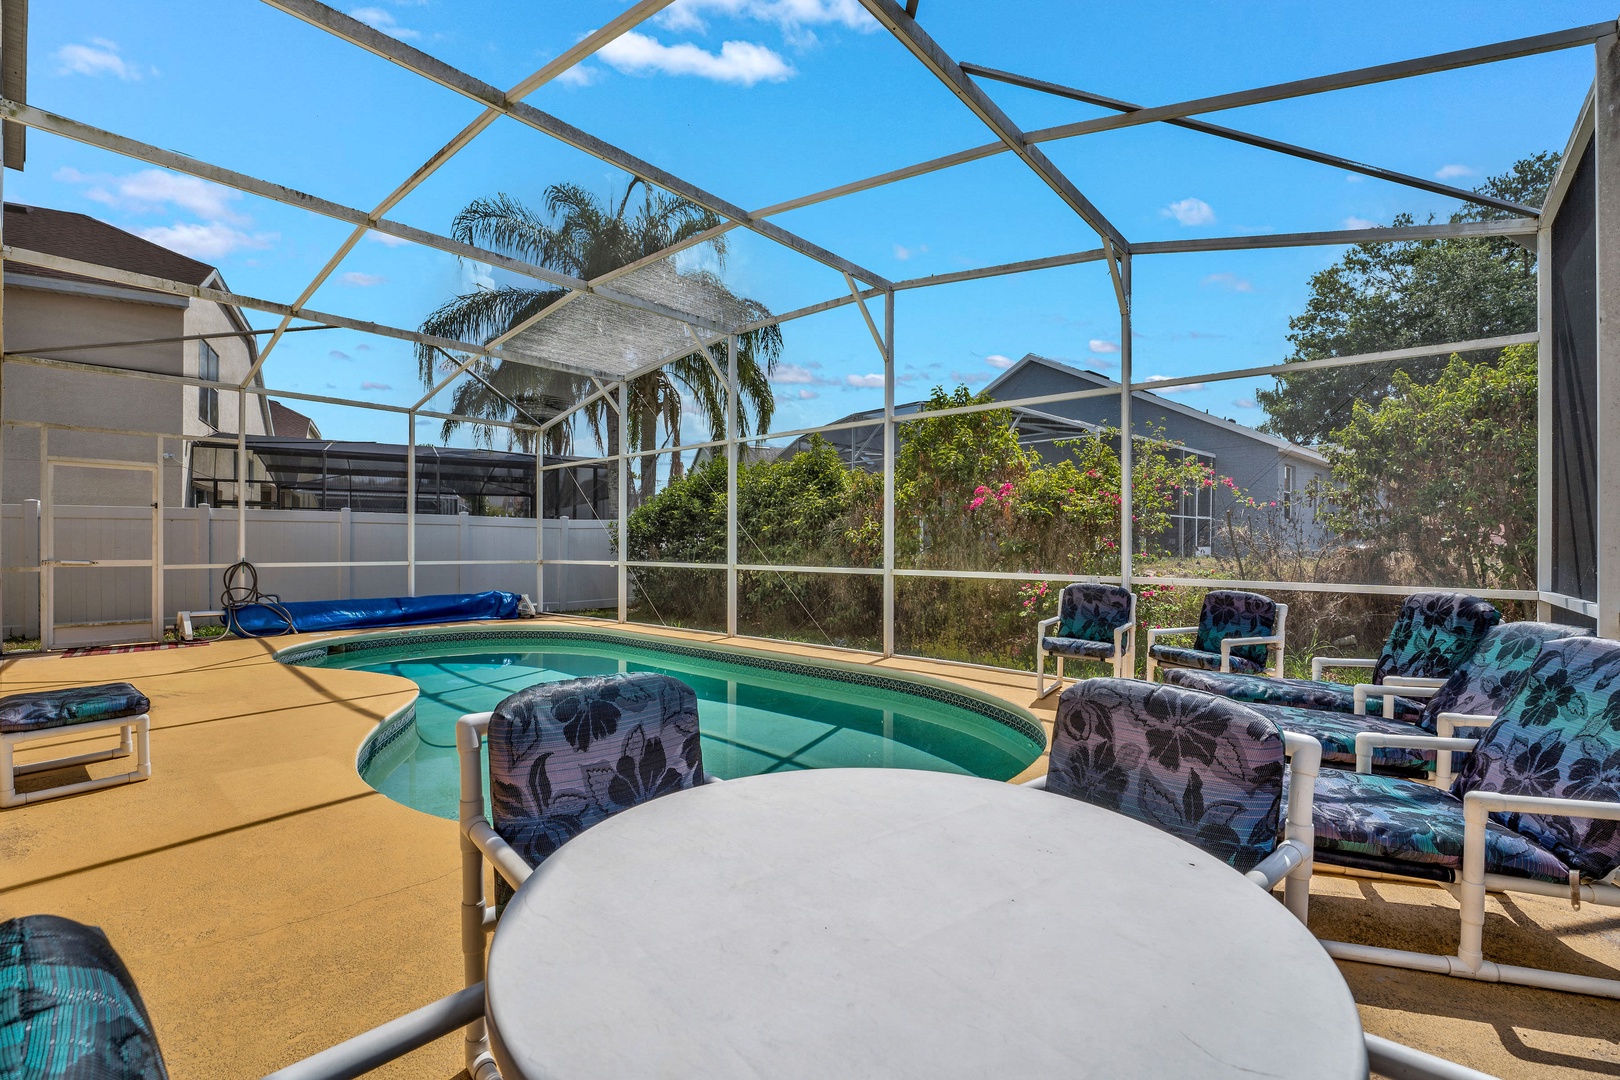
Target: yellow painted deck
[{"x": 270, "y": 903}]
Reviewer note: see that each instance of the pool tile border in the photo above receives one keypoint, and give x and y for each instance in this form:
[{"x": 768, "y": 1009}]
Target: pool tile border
[{"x": 317, "y": 654}]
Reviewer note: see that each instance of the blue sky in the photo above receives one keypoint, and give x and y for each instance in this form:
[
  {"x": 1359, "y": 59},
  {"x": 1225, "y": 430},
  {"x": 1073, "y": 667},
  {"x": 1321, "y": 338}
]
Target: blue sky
[{"x": 764, "y": 100}]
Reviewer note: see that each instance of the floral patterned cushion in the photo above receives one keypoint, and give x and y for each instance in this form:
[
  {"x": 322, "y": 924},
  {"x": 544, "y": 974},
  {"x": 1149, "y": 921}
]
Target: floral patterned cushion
[
  {"x": 1433, "y": 633},
  {"x": 1484, "y": 682},
  {"x": 1362, "y": 816},
  {"x": 1178, "y": 656},
  {"x": 1202, "y": 768},
  {"x": 1068, "y": 646},
  {"x": 1303, "y": 693},
  {"x": 69, "y": 1009},
  {"x": 1092, "y": 612},
  {"x": 566, "y": 755},
  {"x": 1559, "y": 737},
  {"x": 77, "y": 705},
  {"x": 1299, "y": 693},
  {"x": 1337, "y": 733},
  {"x": 1229, "y": 613}
]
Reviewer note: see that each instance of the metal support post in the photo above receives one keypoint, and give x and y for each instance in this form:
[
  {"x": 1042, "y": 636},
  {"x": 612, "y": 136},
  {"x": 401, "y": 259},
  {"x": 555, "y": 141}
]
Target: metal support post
[
  {"x": 410, "y": 505},
  {"x": 733, "y": 426},
  {"x": 1126, "y": 450},
  {"x": 1544, "y": 410},
  {"x": 1606, "y": 147},
  {"x": 241, "y": 476},
  {"x": 624, "y": 501},
  {"x": 889, "y": 463},
  {"x": 540, "y": 520}
]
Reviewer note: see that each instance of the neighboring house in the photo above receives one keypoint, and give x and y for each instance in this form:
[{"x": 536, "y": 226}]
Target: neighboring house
[
  {"x": 290, "y": 423},
  {"x": 52, "y": 315},
  {"x": 1263, "y": 466}
]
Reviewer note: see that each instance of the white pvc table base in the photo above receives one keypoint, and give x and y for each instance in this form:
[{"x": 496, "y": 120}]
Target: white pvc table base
[{"x": 880, "y": 923}]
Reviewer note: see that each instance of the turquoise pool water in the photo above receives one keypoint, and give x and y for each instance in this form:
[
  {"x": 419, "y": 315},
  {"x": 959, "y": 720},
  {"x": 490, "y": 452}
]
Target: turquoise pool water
[{"x": 756, "y": 715}]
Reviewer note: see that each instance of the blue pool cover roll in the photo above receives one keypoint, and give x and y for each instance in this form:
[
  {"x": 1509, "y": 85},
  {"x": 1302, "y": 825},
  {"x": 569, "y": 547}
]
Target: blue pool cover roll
[{"x": 260, "y": 620}]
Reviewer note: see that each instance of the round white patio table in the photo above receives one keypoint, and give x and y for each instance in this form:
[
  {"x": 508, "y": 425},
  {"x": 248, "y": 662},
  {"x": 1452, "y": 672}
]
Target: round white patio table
[{"x": 884, "y": 923}]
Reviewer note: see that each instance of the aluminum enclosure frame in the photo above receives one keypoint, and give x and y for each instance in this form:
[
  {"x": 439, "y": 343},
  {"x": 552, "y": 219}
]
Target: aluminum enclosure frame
[{"x": 1601, "y": 124}]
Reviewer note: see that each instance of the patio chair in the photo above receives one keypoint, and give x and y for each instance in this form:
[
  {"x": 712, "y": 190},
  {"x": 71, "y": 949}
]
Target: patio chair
[
  {"x": 1094, "y": 622},
  {"x": 563, "y": 756},
  {"x": 1433, "y": 633},
  {"x": 1236, "y": 632},
  {"x": 1205, "y": 769},
  {"x": 1532, "y": 811},
  {"x": 71, "y": 1010},
  {"x": 49, "y": 714},
  {"x": 1470, "y": 700}
]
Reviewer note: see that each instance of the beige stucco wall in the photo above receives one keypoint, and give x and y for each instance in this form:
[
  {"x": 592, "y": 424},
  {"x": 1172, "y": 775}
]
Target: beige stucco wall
[{"x": 235, "y": 358}]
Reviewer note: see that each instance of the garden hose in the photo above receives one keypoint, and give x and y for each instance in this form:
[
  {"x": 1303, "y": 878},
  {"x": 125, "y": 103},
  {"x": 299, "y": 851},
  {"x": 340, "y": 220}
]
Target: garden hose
[{"x": 240, "y": 596}]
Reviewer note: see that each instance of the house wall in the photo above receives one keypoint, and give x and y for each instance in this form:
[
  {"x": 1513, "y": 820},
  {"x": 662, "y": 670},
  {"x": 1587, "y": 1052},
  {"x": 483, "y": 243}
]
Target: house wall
[{"x": 235, "y": 359}]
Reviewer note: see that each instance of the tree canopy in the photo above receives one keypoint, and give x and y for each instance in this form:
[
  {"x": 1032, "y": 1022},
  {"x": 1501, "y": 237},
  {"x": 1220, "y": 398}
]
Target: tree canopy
[{"x": 1398, "y": 295}]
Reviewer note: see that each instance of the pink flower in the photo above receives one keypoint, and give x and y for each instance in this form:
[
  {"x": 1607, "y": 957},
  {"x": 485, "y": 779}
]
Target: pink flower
[
  {"x": 976, "y": 503},
  {"x": 981, "y": 490}
]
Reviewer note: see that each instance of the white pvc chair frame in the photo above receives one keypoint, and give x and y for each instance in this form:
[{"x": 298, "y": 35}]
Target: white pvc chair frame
[
  {"x": 134, "y": 737},
  {"x": 1274, "y": 645},
  {"x": 1470, "y": 962},
  {"x": 1124, "y": 659},
  {"x": 1291, "y": 862}
]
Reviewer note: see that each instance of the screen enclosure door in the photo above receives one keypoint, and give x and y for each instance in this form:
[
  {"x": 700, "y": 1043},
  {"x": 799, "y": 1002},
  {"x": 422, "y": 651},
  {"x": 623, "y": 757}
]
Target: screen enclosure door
[{"x": 101, "y": 553}]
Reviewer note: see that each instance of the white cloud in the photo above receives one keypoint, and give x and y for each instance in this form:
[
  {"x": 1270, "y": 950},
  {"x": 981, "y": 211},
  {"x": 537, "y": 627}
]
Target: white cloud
[
  {"x": 363, "y": 280},
  {"x": 1244, "y": 403},
  {"x": 1100, "y": 345},
  {"x": 156, "y": 190},
  {"x": 1452, "y": 172},
  {"x": 903, "y": 253},
  {"x": 1229, "y": 281},
  {"x": 375, "y": 386},
  {"x": 207, "y": 242},
  {"x": 381, "y": 19},
  {"x": 806, "y": 395},
  {"x": 100, "y": 57},
  {"x": 1353, "y": 222},
  {"x": 578, "y": 75},
  {"x": 864, "y": 380},
  {"x": 386, "y": 239},
  {"x": 793, "y": 373},
  {"x": 476, "y": 275},
  {"x": 1186, "y": 388},
  {"x": 741, "y": 62},
  {"x": 794, "y": 17},
  {"x": 1001, "y": 363},
  {"x": 1190, "y": 212}
]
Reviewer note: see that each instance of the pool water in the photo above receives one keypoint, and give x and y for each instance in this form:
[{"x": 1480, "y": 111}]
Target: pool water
[{"x": 753, "y": 719}]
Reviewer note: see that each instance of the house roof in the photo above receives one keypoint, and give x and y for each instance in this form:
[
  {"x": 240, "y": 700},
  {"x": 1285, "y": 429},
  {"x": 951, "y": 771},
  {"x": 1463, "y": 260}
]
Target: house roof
[
  {"x": 287, "y": 422},
  {"x": 81, "y": 237},
  {"x": 1095, "y": 379}
]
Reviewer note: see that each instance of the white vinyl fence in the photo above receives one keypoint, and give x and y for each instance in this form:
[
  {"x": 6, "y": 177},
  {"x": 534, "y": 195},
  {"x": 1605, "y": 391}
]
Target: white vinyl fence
[{"x": 454, "y": 554}]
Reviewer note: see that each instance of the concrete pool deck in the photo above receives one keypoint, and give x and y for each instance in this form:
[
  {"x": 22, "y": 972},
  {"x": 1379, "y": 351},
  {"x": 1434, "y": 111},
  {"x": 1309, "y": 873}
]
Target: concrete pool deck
[{"x": 270, "y": 903}]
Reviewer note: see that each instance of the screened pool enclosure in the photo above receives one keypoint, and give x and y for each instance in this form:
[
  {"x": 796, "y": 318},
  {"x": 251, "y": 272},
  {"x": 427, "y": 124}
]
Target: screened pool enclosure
[{"x": 96, "y": 509}]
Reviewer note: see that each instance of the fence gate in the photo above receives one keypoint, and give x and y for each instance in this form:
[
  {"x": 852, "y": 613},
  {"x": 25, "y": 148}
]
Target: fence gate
[{"x": 101, "y": 553}]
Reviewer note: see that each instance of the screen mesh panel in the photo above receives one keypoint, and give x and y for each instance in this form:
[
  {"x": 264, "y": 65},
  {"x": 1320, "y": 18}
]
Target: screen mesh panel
[{"x": 1574, "y": 389}]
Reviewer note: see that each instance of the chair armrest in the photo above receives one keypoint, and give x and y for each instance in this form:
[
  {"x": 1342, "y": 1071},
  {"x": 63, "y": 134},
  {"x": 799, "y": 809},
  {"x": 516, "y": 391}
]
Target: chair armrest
[
  {"x": 1320, "y": 662},
  {"x": 1362, "y": 691},
  {"x": 1228, "y": 644},
  {"x": 503, "y": 856},
  {"x": 1412, "y": 680},
  {"x": 1289, "y": 856},
  {"x": 1447, "y": 723},
  {"x": 1478, "y": 806},
  {"x": 1155, "y": 632},
  {"x": 1367, "y": 741},
  {"x": 1040, "y": 627}
]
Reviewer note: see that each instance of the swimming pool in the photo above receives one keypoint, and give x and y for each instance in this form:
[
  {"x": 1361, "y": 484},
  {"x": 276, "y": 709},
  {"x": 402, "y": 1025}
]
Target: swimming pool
[{"x": 758, "y": 713}]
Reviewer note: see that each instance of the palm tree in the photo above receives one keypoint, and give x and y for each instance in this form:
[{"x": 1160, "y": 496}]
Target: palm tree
[{"x": 582, "y": 237}]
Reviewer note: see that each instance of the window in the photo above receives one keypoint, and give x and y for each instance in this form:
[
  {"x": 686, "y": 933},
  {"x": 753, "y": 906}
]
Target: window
[
  {"x": 1288, "y": 492},
  {"x": 207, "y": 396}
]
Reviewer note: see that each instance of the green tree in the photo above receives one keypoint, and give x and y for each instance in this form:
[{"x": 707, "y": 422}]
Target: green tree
[
  {"x": 1399, "y": 295},
  {"x": 1439, "y": 478},
  {"x": 581, "y": 236}
]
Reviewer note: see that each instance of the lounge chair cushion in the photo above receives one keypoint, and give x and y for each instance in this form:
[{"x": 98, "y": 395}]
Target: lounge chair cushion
[
  {"x": 1230, "y": 613},
  {"x": 1433, "y": 633},
  {"x": 61, "y": 708},
  {"x": 1298, "y": 693},
  {"x": 69, "y": 1009},
  {"x": 1095, "y": 650},
  {"x": 1175, "y": 656},
  {"x": 1362, "y": 815},
  {"x": 1559, "y": 737},
  {"x": 1337, "y": 732},
  {"x": 1202, "y": 768},
  {"x": 1484, "y": 682},
  {"x": 1092, "y": 612},
  {"x": 566, "y": 755}
]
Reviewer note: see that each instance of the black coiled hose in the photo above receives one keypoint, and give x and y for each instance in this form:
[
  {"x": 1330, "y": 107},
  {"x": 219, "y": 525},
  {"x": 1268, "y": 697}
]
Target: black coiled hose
[{"x": 246, "y": 595}]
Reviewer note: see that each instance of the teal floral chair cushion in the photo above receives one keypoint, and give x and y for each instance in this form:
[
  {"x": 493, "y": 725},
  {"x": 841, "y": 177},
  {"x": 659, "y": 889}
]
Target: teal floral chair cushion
[
  {"x": 1407, "y": 827},
  {"x": 69, "y": 1009},
  {"x": 1337, "y": 732},
  {"x": 1202, "y": 768},
  {"x": 1297, "y": 693},
  {"x": 77, "y": 705},
  {"x": 1486, "y": 681},
  {"x": 1227, "y": 613},
  {"x": 1086, "y": 650},
  {"x": 1433, "y": 633},
  {"x": 1092, "y": 612},
  {"x": 1559, "y": 737},
  {"x": 564, "y": 756}
]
